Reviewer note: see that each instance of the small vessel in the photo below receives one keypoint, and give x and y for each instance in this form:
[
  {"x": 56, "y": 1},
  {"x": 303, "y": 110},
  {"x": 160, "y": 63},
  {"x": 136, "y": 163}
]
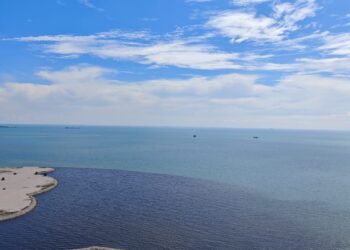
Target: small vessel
[
  {"x": 255, "y": 137},
  {"x": 68, "y": 127},
  {"x": 6, "y": 126},
  {"x": 194, "y": 136}
]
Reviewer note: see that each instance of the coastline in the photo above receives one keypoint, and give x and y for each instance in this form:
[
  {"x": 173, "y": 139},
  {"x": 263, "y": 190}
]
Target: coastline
[{"x": 41, "y": 186}]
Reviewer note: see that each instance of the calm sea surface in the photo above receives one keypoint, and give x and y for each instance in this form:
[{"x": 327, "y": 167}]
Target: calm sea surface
[{"x": 129, "y": 187}]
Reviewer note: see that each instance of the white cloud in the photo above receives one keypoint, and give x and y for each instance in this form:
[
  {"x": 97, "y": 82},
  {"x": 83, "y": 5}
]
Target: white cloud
[
  {"x": 82, "y": 94},
  {"x": 116, "y": 34},
  {"x": 173, "y": 53},
  {"x": 194, "y": 53},
  {"x": 248, "y": 2},
  {"x": 145, "y": 49},
  {"x": 337, "y": 44},
  {"x": 246, "y": 26},
  {"x": 335, "y": 65},
  {"x": 242, "y": 26},
  {"x": 291, "y": 14}
]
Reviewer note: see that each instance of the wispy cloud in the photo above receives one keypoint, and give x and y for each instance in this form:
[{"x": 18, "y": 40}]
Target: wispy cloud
[
  {"x": 89, "y": 4},
  {"x": 142, "y": 48},
  {"x": 337, "y": 44},
  {"x": 246, "y": 26},
  {"x": 196, "y": 53},
  {"x": 242, "y": 25},
  {"x": 249, "y": 2}
]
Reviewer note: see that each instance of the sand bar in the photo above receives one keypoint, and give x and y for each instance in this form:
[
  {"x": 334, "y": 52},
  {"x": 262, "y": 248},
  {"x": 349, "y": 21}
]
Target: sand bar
[{"x": 18, "y": 187}]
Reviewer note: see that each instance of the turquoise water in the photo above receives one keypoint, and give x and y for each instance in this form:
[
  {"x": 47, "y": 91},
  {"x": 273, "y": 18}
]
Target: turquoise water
[{"x": 281, "y": 164}]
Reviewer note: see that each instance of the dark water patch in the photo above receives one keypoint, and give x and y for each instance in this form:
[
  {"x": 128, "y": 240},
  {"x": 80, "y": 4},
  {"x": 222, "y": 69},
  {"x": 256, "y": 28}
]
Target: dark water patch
[{"x": 134, "y": 210}]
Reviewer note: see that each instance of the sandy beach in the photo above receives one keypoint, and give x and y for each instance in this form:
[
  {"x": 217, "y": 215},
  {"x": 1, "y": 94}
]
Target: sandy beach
[{"x": 18, "y": 187}]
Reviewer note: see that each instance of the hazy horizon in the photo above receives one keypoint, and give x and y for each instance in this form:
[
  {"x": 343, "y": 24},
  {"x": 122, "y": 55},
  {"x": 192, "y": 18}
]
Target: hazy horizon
[{"x": 170, "y": 126}]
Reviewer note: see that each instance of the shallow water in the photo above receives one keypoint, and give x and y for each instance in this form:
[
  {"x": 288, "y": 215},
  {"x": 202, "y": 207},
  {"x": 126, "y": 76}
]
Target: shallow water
[
  {"x": 287, "y": 165},
  {"x": 134, "y": 210}
]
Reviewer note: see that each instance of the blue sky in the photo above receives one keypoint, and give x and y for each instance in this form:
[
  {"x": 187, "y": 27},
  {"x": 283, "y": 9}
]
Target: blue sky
[{"x": 221, "y": 63}]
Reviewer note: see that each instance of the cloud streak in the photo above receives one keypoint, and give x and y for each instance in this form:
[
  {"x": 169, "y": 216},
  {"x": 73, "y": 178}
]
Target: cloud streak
[
  {"x": 143, "y": 48},
  {"x": 89, "y": 4},
  {"x": 248, "y": 2}
]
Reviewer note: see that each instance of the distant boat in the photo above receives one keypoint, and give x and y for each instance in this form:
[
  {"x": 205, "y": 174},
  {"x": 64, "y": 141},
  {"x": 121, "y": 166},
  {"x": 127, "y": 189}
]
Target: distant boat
[
  {"x": 194, "y": 136},
  {"x": 6, "y": 126},
  {"x": 71, "y": 127},
  {"x": 255, "y": 137}
]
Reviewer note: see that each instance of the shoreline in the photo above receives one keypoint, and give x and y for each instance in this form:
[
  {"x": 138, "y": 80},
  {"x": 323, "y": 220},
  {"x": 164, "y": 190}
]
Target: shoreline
[{"x": 45, "y": 184}]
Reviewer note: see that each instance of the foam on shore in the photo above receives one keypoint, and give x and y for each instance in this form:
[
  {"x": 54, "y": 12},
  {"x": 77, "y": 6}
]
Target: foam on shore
[{"x": 18, "y": 187}]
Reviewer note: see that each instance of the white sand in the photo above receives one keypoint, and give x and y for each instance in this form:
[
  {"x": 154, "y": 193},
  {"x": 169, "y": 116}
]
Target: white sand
[{"x": 19, "y": 187}]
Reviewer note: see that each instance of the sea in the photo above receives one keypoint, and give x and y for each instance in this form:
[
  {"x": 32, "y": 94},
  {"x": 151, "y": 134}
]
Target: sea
[{"x": 182, "y": 188}]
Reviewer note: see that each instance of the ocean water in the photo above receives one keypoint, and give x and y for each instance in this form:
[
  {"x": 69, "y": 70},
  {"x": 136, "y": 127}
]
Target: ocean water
[
  {"x": 133, "y": 210},
  {"x": 288, "y": 165},
  {"x": 161, "y": 188}
]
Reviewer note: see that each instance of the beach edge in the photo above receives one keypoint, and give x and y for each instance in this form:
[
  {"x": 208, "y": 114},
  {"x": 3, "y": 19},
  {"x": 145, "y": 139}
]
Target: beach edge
[{"x": 33, "y": 203}]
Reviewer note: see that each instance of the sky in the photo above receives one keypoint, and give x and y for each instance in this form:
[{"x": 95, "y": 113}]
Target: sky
[{"x": 195, "y": 63}]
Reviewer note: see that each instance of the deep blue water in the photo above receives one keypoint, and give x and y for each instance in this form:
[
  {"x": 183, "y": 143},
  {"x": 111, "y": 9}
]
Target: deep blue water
[
  {"x": 134, "y": 210},
  {"x": 287, "y": 189}
]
